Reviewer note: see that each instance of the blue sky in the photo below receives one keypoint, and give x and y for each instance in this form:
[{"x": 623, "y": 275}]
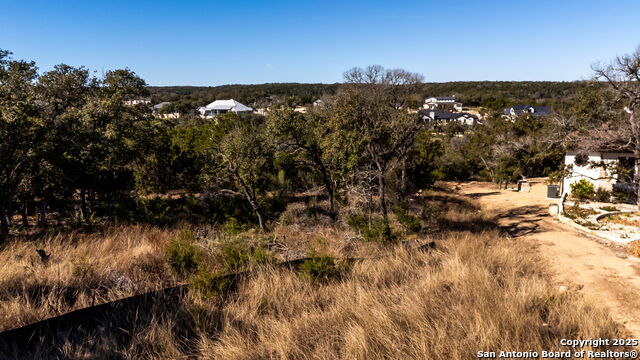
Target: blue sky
[{"x": 223, "y": 42}]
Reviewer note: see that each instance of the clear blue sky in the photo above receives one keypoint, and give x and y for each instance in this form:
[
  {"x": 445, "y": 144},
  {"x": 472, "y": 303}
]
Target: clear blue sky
[{"x": 222, "y": 42}]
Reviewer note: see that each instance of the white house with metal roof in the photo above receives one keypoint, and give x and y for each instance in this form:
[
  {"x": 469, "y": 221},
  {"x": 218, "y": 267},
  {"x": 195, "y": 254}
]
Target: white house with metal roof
[
  {"x": 445, "y": 117},
  {"x": 222, "y": 107},
  {"x": 442, "y": 103}
]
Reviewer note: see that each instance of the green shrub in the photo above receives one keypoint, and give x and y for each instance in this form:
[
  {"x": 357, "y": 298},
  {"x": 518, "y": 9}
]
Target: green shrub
[
  {"x": 305, "y": 215},
  {"x": 210, "y": 284},
  {"x": 182, "y": 254},
  {"x": 377, "y": 230},
  {"x": 602, "y": 195},
  {"x": 154, "y": 210},
  {"x": 583, "y": 189},
  {"x": 609, "y": 208},
  {"x": 588, "y": 224},
  {"x": 233, "y": 227},
  {"x": 273, "y": 206},
  {"x": 320, "y": 268},
  {"x": 410, "y": 222},
  {"x": 219, "y": 209},
  {"x": 237, "y": 255},
  {"x": 576, "y": 212}
]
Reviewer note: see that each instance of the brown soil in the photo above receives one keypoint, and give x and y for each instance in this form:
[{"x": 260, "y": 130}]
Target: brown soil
[{"x": 603, "y": 273}]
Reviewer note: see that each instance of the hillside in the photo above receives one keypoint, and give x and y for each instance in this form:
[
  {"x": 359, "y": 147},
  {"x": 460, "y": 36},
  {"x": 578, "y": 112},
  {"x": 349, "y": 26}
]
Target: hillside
[{"x": 490, "y": 94}]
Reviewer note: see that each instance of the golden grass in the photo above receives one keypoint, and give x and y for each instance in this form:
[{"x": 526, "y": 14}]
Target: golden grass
[
  {"x": 477, "y": 291},
  {"x": 83, "y": 270}
]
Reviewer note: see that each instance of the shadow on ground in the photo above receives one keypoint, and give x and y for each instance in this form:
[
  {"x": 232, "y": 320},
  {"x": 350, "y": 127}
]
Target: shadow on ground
[
  {"x": 522, "y": 221},
  {"x": 516, "y": 222},
  {"x": 482, "y": 194}
]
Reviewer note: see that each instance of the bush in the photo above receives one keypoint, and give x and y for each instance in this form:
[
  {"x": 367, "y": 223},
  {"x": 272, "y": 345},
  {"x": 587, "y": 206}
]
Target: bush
[
  {"x": 576, "y": 212},
  {"x": 320, "y": 268},
  {"x": 210, "y": 284},
  {"x": 154, "y": 210},
  {"x": 219, "y": 209},
  {"x": 237, "y": 255},
  {"x": 273, "y": 207},
  {"x": 377, "y": 230},
  {"x": 305, "y": 216},
  {"x": 583, "y": 189},
  {"x": 602, "y": 195},
  {"x": 609, "y": 208},
  {"x": 182, "y": 254},
  {"x": 233, "y": 227},
  {"x": 588, "y": 224},
  {"x": 410, "y": 222}
]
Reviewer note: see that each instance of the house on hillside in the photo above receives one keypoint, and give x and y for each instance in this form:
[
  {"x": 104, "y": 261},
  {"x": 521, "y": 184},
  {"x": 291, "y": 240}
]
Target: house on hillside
[
  {"x": 137, "y": 101},
  {"x": 607, "y": 170},
  {"x": 440, "y": 117},
  {"x": 518, "y": 110},
  {"x": 442, "y": 103},
  {"x": 159, "y": 106},
  {"x": 157, "y": 111},
  {"x": 264, "y": 111},
  {"x": 222, "y": 107}
]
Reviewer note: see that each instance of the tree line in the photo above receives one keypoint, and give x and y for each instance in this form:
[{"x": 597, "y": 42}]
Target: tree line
[
  {"x": 492, "y": 95},
  {"x": 70, "y": 145},
  {"x": 66, "y": 134}
]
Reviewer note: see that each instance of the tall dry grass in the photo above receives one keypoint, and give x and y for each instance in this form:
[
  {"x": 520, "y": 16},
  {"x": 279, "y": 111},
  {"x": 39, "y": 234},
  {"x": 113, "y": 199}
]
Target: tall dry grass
[
  {"x": 478, "y": 290},
  {"x": 82, "y": 270}
]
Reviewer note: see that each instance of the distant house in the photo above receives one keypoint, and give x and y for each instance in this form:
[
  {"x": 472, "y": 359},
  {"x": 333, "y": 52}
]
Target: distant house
[
  {"x": 222, "y": 107},
  {"x": 442, "y": 103},
  {"x": 157, "y": 111},
  {"x": 439, "y": 116},
  {"x": 607, "y": 170},
  {"x": 264, "y": 111},
  {"x": 157, "y": 107},
  {"x": 300, "y": 109},
  {"x": 318, "y": 103},
  {"x": 137, "y": 101},
  {"x": 517, "y": 110}
]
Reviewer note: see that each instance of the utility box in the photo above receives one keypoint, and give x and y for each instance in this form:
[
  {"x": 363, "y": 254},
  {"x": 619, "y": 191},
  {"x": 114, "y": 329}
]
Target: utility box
[
  {"x": 524, "y": 186},
  {"x": 553, "y": 191}
]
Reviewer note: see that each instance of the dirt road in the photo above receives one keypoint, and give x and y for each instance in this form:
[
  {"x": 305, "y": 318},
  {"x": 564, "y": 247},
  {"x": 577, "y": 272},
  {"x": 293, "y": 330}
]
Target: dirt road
[{"x": 605, "y": 274}]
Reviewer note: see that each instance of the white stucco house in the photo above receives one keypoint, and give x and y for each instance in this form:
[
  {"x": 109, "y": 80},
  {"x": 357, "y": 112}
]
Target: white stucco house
[
  {"x": 157, "y": 111},
  {"x": 600, "y": 168},
  {"x": 222, "y": 107},
  {"x": 137, "y": 101},
  {"x": 442, "y": 103},
  {"x": 445, "y": 117}
]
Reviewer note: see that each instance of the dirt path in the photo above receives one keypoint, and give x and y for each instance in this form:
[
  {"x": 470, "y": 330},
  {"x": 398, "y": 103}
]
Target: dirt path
[{"x": 605, "y": 274}]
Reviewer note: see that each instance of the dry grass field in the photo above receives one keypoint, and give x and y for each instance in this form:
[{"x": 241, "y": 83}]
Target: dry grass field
[
  {"x": 82, "y": 270},
  {"x": 477, "y": 290}
]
